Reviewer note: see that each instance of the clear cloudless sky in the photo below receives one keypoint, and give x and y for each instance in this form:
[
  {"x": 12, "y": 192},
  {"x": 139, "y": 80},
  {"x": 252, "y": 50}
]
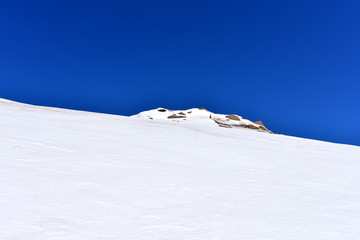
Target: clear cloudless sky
[{"x": 295, "y": 65}]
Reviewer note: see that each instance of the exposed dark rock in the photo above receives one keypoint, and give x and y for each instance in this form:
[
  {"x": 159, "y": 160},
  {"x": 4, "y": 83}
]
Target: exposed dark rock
[
  {"x": 176, "y": 116},
  {"x": 259, "y": 123},
  {"x": 223, "y": 124},
  {"x": 252, "y": 127},
  {"x": 233, "y": 117}
]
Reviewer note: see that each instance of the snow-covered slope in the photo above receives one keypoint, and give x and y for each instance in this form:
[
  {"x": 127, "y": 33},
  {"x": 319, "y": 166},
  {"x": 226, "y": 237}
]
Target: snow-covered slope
[{"x": 85, "y": 176}]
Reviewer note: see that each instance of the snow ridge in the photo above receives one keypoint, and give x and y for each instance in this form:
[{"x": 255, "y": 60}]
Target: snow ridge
[{"x": 204, "y": 116}]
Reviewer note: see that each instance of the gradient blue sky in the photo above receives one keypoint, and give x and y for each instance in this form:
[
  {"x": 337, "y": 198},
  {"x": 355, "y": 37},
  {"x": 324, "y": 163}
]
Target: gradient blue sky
[{"x": 295, "y": 65}]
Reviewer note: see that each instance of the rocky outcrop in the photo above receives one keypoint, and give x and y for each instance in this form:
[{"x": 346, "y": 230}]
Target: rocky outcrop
[
  {"x": 176, "y": 116},
  {"x": 205, "y": 116},
  {"x": 233, "y": 117},
  {"x": 259, "y": 123}
]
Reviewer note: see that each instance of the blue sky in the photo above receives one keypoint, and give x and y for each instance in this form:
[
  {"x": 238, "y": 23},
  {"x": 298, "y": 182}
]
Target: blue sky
[{"x": 295, "y": 65}]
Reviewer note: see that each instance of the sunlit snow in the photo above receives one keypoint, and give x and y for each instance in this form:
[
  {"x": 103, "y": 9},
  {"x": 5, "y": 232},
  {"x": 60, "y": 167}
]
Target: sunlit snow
[{"x": 77, "y": 175}]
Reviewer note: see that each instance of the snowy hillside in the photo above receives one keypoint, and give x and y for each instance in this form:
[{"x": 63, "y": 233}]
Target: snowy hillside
[{"x": 77, "y": 175}]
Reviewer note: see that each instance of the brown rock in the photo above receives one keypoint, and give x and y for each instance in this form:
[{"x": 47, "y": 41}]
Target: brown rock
[
  {"x": 259, "y": 123},
  {"x": 263, "y": 128},
  {"x": 176, "y": 116},
  {"x": 233, "y": 117},
  {"x": 222, "y": 124},
  {"x": 252, "y": 127}
]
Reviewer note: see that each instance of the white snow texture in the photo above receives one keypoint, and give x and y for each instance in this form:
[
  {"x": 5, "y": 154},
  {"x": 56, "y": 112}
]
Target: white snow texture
[{"x": 85, "y": 176}]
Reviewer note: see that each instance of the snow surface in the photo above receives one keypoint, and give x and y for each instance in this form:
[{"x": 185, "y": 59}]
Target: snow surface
[{"x": 77, "y": 175}]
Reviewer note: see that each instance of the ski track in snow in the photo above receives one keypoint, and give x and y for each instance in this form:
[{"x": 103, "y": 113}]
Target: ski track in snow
[{"x": 76, "y": 175}]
